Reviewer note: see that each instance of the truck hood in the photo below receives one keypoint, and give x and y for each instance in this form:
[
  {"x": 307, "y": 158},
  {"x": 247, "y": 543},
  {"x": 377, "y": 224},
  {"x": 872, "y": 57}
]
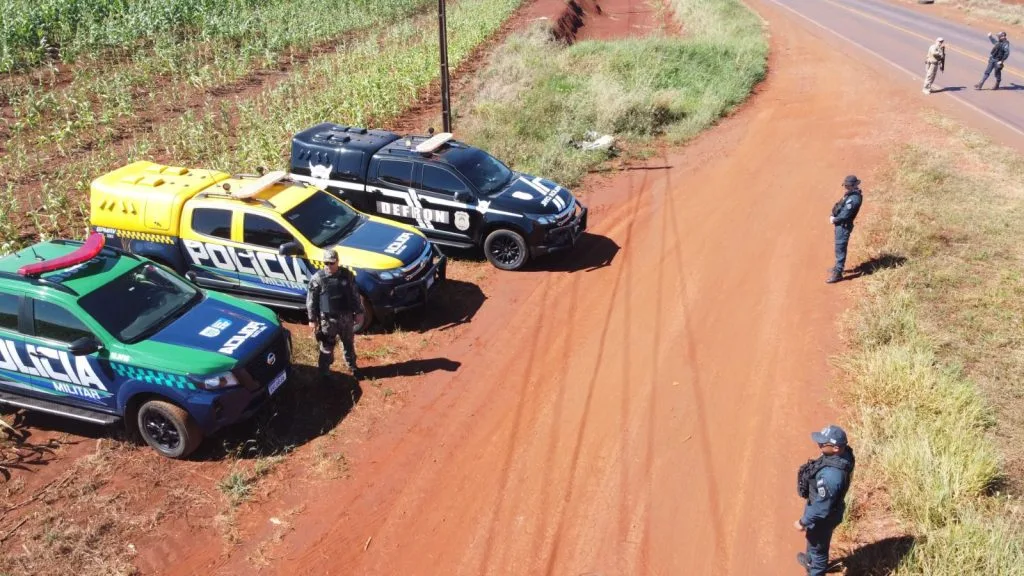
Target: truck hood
[
  {"x": 397, "y": 246},
  {"x": 532, "y": 195},
  {"x": 219, "y": 327}
]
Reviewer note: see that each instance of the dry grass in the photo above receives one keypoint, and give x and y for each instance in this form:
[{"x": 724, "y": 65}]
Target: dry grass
[
  {"x": 994, "y": 9},
  {"x": 937, "y": 355}
]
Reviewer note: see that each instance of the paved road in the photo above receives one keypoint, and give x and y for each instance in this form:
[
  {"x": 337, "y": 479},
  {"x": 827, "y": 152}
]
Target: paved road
[{"x": 900, "y": 37}]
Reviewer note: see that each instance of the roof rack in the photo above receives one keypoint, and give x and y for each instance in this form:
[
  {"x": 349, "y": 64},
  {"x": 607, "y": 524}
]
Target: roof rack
[
  {"x": 433, "y": 143},
  {"x": 230, "y": 196},
  {"x": 262, "y": 183}
]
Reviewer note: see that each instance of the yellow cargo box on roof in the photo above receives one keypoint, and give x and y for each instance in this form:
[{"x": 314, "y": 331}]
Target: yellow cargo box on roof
[{"x": 146, "y": 197}]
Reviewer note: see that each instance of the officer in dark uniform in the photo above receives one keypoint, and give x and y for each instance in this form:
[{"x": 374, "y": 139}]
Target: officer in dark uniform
[
  {"x": 823, "y": 483},
  {"x": 843, "y": 214},
  {"x": 996, "y": 59},
  {"x": 332, "y": 303}
]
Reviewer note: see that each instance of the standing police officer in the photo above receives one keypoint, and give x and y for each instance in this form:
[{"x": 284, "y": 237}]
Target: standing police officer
[
  {"x": 843, "y": 214},
  {"x": 996, "y": 58},
  {"x": 823, "y": 483},
  {"x": 332, "y": 303}
]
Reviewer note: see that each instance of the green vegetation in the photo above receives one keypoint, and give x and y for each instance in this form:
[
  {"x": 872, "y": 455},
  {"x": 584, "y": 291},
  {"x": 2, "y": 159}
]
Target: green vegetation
[
  {"x": 135, "y": 56},
  {"x": 240, "y": 30},
  {"x": 536, "y": 96},
  {"x": 936, "y": 355}
]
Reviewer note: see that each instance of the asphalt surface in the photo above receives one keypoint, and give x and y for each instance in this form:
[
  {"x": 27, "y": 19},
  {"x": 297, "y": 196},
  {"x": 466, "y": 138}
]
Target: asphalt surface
[{"x": 900, "y": 37}]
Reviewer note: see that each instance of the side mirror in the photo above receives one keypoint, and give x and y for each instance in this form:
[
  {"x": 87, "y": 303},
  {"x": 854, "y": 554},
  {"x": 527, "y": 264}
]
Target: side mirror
[
  {"x": 463, "y": 196},
  {"x": 290, "y": 249},
  {"x": 191, "y": 276},
  {"x": 84, "y": 346}
]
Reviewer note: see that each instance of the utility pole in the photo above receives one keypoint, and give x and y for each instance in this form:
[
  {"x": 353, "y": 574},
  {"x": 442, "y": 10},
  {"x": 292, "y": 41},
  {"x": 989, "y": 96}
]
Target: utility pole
[{"x": 442, "y": 25}]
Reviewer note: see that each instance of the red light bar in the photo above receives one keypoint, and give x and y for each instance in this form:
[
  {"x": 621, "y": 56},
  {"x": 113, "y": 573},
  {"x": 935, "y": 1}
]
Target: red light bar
[{"x": 86, "y": 252}]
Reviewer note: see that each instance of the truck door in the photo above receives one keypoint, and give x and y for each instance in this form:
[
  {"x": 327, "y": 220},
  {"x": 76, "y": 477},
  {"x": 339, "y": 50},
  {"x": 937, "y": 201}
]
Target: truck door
[
  {"x": 86, "y": 380},
  {"x": 272, "y": 274},
  {"x": 448, "y": 204},
  {"x": 391, "y": 188},
  {"x": 206, "y": 236}
]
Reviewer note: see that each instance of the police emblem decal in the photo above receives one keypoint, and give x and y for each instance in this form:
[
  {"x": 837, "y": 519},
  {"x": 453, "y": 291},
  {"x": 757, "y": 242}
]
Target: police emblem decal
[
  {"x": 462, "y": 221},
  {"x": 271, "y": 358}
]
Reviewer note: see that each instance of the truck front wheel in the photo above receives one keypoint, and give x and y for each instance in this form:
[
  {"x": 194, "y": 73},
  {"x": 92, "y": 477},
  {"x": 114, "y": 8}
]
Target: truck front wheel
[
  {"x": 506, "y": 249},
  {"x": 168, "y": 429},
  {"x": 364, "y": 320}
]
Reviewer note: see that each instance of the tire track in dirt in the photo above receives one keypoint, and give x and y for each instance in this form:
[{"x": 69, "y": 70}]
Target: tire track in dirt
[{"x": 569, "y": 489}]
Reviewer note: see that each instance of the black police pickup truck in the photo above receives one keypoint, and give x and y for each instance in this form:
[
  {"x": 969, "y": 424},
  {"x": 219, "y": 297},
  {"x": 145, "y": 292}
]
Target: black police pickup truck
[{"x": 456, "y": 194}]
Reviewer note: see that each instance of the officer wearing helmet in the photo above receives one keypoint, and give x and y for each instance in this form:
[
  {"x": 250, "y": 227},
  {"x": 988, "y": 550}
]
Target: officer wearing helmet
[
  {"x": 843, "y": 214},
  {"x": 332, "y": 303},
  {"x": 823, "y": 483},
  {"x": 996, "y": 58}
]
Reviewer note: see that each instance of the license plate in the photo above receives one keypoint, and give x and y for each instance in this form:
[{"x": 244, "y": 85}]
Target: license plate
[
  {"x": 277, "y": 381},
  {"x": 430, "y": 281}
]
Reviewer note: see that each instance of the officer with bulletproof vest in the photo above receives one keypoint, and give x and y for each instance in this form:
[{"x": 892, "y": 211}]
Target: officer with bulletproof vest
[
  {"x": 844, "y": 212},
  {"x": 823, "y": 483},
  {"x": 996, "y": 58},
  {"x": 332, "y": 303}
]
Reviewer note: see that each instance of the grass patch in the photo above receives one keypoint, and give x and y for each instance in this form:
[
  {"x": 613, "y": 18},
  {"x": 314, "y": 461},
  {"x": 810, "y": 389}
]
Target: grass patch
[
  {"x": 936, "y": 354},
  {"x": 536, "y": 97},
  {"x": 995, "y": 9}
]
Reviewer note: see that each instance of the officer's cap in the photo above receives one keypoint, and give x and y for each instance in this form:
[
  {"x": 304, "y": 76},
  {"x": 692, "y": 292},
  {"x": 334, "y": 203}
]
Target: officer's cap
[
  {"x": 830, "y": 434},
  {"x": 939, "y": 40},
  {"x": 851, "y": 180},
  {"x": 1002, "y": 34},
  {"x": 330, "y": 256}
]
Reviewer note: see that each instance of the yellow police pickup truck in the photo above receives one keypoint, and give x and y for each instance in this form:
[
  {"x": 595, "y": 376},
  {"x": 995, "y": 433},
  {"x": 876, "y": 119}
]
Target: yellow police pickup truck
[{"x": 261, "y": 237}]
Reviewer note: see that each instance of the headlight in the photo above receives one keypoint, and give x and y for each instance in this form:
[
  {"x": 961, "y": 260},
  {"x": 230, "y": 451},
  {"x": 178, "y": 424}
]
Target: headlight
[
  {"x": 386, "y": 274},
  {"x": 216, "y": 381},
  {"x": 545, "y": 220}
]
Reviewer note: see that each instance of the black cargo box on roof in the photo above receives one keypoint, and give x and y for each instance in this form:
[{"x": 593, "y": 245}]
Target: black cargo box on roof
[{"x": 345, "y": 150}]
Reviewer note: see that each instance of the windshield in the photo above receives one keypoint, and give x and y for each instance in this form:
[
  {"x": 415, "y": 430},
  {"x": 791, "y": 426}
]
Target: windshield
[
  {"x": 486, "y": 172},
  {"x": 322, "y": 218},
  {"x": 139, "y": 302}
]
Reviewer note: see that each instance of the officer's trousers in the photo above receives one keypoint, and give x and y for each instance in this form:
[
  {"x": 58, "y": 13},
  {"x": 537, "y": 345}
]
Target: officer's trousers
[
  {"x": 842, "y": 242},
  {"x": 993, "y": 66},
  {"x": 819, "y": 539},
  {"x": 930, "y": 70},
  {"x": 332, "y": 329}
]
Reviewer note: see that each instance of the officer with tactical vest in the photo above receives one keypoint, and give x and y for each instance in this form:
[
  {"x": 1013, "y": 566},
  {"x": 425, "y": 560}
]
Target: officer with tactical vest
[
  {"x": 332, "y": 303},
  {"x": 996, "y": 58},
  {"x": 843, "y": 214},
  {"x": 823, "y": 484}
]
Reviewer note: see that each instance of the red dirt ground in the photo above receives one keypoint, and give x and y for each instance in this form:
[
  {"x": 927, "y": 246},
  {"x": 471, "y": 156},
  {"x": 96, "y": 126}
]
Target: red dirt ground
[{"x": 641, "y": 406}]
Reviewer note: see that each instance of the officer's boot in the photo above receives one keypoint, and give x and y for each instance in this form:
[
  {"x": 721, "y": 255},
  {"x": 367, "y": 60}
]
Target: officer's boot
[
  {"x": 836, "y": 276},
  {"x": 996, "y": 87}
]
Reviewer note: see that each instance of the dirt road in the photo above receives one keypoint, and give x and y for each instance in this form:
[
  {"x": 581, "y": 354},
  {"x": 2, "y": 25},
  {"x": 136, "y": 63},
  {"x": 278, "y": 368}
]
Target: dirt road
[{"x": 644, "y": 411}]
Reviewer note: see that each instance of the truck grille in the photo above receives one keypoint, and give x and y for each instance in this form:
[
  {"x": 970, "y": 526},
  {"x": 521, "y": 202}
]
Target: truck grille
[
  {"x": 422, "y": 263},
  {"x": 260, "y": 369},
  {"x": 563, "y": 217}
]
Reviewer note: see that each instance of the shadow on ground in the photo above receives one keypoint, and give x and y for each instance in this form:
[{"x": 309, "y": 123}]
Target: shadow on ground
[
  {"x": 877, "y": 558},
  {"x": 883, "y": 261}
]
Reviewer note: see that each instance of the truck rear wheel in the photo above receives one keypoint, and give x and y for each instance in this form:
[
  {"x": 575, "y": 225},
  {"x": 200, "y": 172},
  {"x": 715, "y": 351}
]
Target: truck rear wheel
[
  {"x": 506, "y": 249},
  {"x": 364, "y": 320},
  {"x": 168, "y": 429}
]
